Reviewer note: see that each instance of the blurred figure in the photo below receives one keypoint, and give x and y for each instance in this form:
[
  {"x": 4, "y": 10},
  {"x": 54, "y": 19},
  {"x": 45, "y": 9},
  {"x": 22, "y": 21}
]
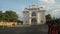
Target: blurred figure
[
  {"x": 54, "y": 29},
  {"x": 58, "y": 28},
  {"x": 49, "y": 28}
]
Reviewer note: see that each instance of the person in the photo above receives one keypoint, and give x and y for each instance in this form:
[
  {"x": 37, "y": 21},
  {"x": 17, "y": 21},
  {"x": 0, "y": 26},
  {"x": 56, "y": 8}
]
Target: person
[
  {"x": 58, "y": 29},
  {"x": 54, "y": 30},
  {"x": 49, "y": 27}
]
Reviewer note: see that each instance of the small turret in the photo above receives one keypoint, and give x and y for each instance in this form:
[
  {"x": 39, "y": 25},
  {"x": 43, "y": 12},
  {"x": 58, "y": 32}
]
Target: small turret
[
  {"x": 33, "y": 5},
  {"x": 42, "y": 8}
]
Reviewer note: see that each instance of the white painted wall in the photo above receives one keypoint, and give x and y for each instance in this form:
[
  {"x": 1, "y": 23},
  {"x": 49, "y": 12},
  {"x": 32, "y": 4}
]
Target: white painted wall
[{"x": 39, "y": 16}]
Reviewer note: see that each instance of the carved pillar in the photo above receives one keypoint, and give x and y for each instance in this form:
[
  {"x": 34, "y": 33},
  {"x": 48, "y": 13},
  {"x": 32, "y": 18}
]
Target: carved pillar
[
  {"x": 38, "y": 18},
  {"x": 29, "y": 17}
]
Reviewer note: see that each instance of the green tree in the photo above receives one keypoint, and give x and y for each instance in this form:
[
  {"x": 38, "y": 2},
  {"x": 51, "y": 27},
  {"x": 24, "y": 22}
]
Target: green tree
[
  {"x": 1, "y": 16},
  {"x": 11, "y": 16},
  {"x": 19, "y": 21},
  {"x": 48, "y": 16}
]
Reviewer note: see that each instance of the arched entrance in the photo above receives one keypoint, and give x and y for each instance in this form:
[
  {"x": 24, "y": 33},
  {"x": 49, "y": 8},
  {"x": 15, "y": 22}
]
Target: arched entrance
[{"x": 33, "y": 21}]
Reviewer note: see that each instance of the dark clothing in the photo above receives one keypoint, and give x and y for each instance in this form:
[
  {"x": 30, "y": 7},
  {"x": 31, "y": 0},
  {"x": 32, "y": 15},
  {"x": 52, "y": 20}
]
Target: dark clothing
[
  {"x": 59, "y": 32},
  {"x": 54, "y": 31},
  {"x": 49, "y": 29}
]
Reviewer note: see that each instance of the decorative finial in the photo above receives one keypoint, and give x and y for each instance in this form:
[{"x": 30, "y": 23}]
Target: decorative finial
[
  {"x": 41, "y": 7},
  {"x": 33, "y": 5}
]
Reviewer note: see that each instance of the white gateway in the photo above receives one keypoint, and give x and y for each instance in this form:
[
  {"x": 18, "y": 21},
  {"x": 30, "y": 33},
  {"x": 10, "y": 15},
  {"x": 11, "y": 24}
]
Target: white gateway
[{"x": 34, "y": 15}]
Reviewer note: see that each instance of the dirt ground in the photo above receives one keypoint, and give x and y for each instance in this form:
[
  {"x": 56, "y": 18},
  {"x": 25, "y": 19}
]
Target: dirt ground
[{"x": 34, "y": 29}]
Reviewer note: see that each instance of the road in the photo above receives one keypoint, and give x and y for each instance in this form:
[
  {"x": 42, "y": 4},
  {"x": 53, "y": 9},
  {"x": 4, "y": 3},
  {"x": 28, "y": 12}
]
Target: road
[{"x": 34, "y": 29}]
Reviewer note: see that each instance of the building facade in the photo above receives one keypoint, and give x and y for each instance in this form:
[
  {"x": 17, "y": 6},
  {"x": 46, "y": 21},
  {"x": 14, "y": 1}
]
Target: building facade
[{"x": 34, "y": 15}]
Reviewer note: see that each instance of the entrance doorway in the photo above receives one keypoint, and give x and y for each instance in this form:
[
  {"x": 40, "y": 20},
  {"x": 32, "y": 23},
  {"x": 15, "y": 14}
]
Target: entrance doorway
[{"x": 33, "y": 21}]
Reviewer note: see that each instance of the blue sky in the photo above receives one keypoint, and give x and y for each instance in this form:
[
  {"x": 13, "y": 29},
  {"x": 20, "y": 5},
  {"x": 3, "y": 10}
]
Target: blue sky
[{"x": 51, "y": 6}]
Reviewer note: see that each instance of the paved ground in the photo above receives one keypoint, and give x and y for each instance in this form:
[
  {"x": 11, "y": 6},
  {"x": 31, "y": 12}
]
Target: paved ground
[{"x": 35, "y": 29}]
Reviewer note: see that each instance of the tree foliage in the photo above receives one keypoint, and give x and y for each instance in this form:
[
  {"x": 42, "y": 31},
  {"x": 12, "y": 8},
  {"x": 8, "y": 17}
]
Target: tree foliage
[
  {"x": 48, "y": 16},
  {"x": 11, "y": 16},
  {"x": 8, "y": 16},
  {"x": 19, "y": 21},
  {"x": 1, "y": 16}
]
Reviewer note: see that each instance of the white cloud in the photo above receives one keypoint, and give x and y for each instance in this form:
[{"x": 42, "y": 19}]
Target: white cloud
[
  {"x": 56, "y": 13},
  {"x": 49, "y": 2},
  {"x": 52, "y": 7}
]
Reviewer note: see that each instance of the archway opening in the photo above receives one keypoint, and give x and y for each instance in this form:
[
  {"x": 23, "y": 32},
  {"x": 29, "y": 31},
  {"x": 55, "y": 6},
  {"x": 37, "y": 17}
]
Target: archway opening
[{"x": 33, "y": 21}]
